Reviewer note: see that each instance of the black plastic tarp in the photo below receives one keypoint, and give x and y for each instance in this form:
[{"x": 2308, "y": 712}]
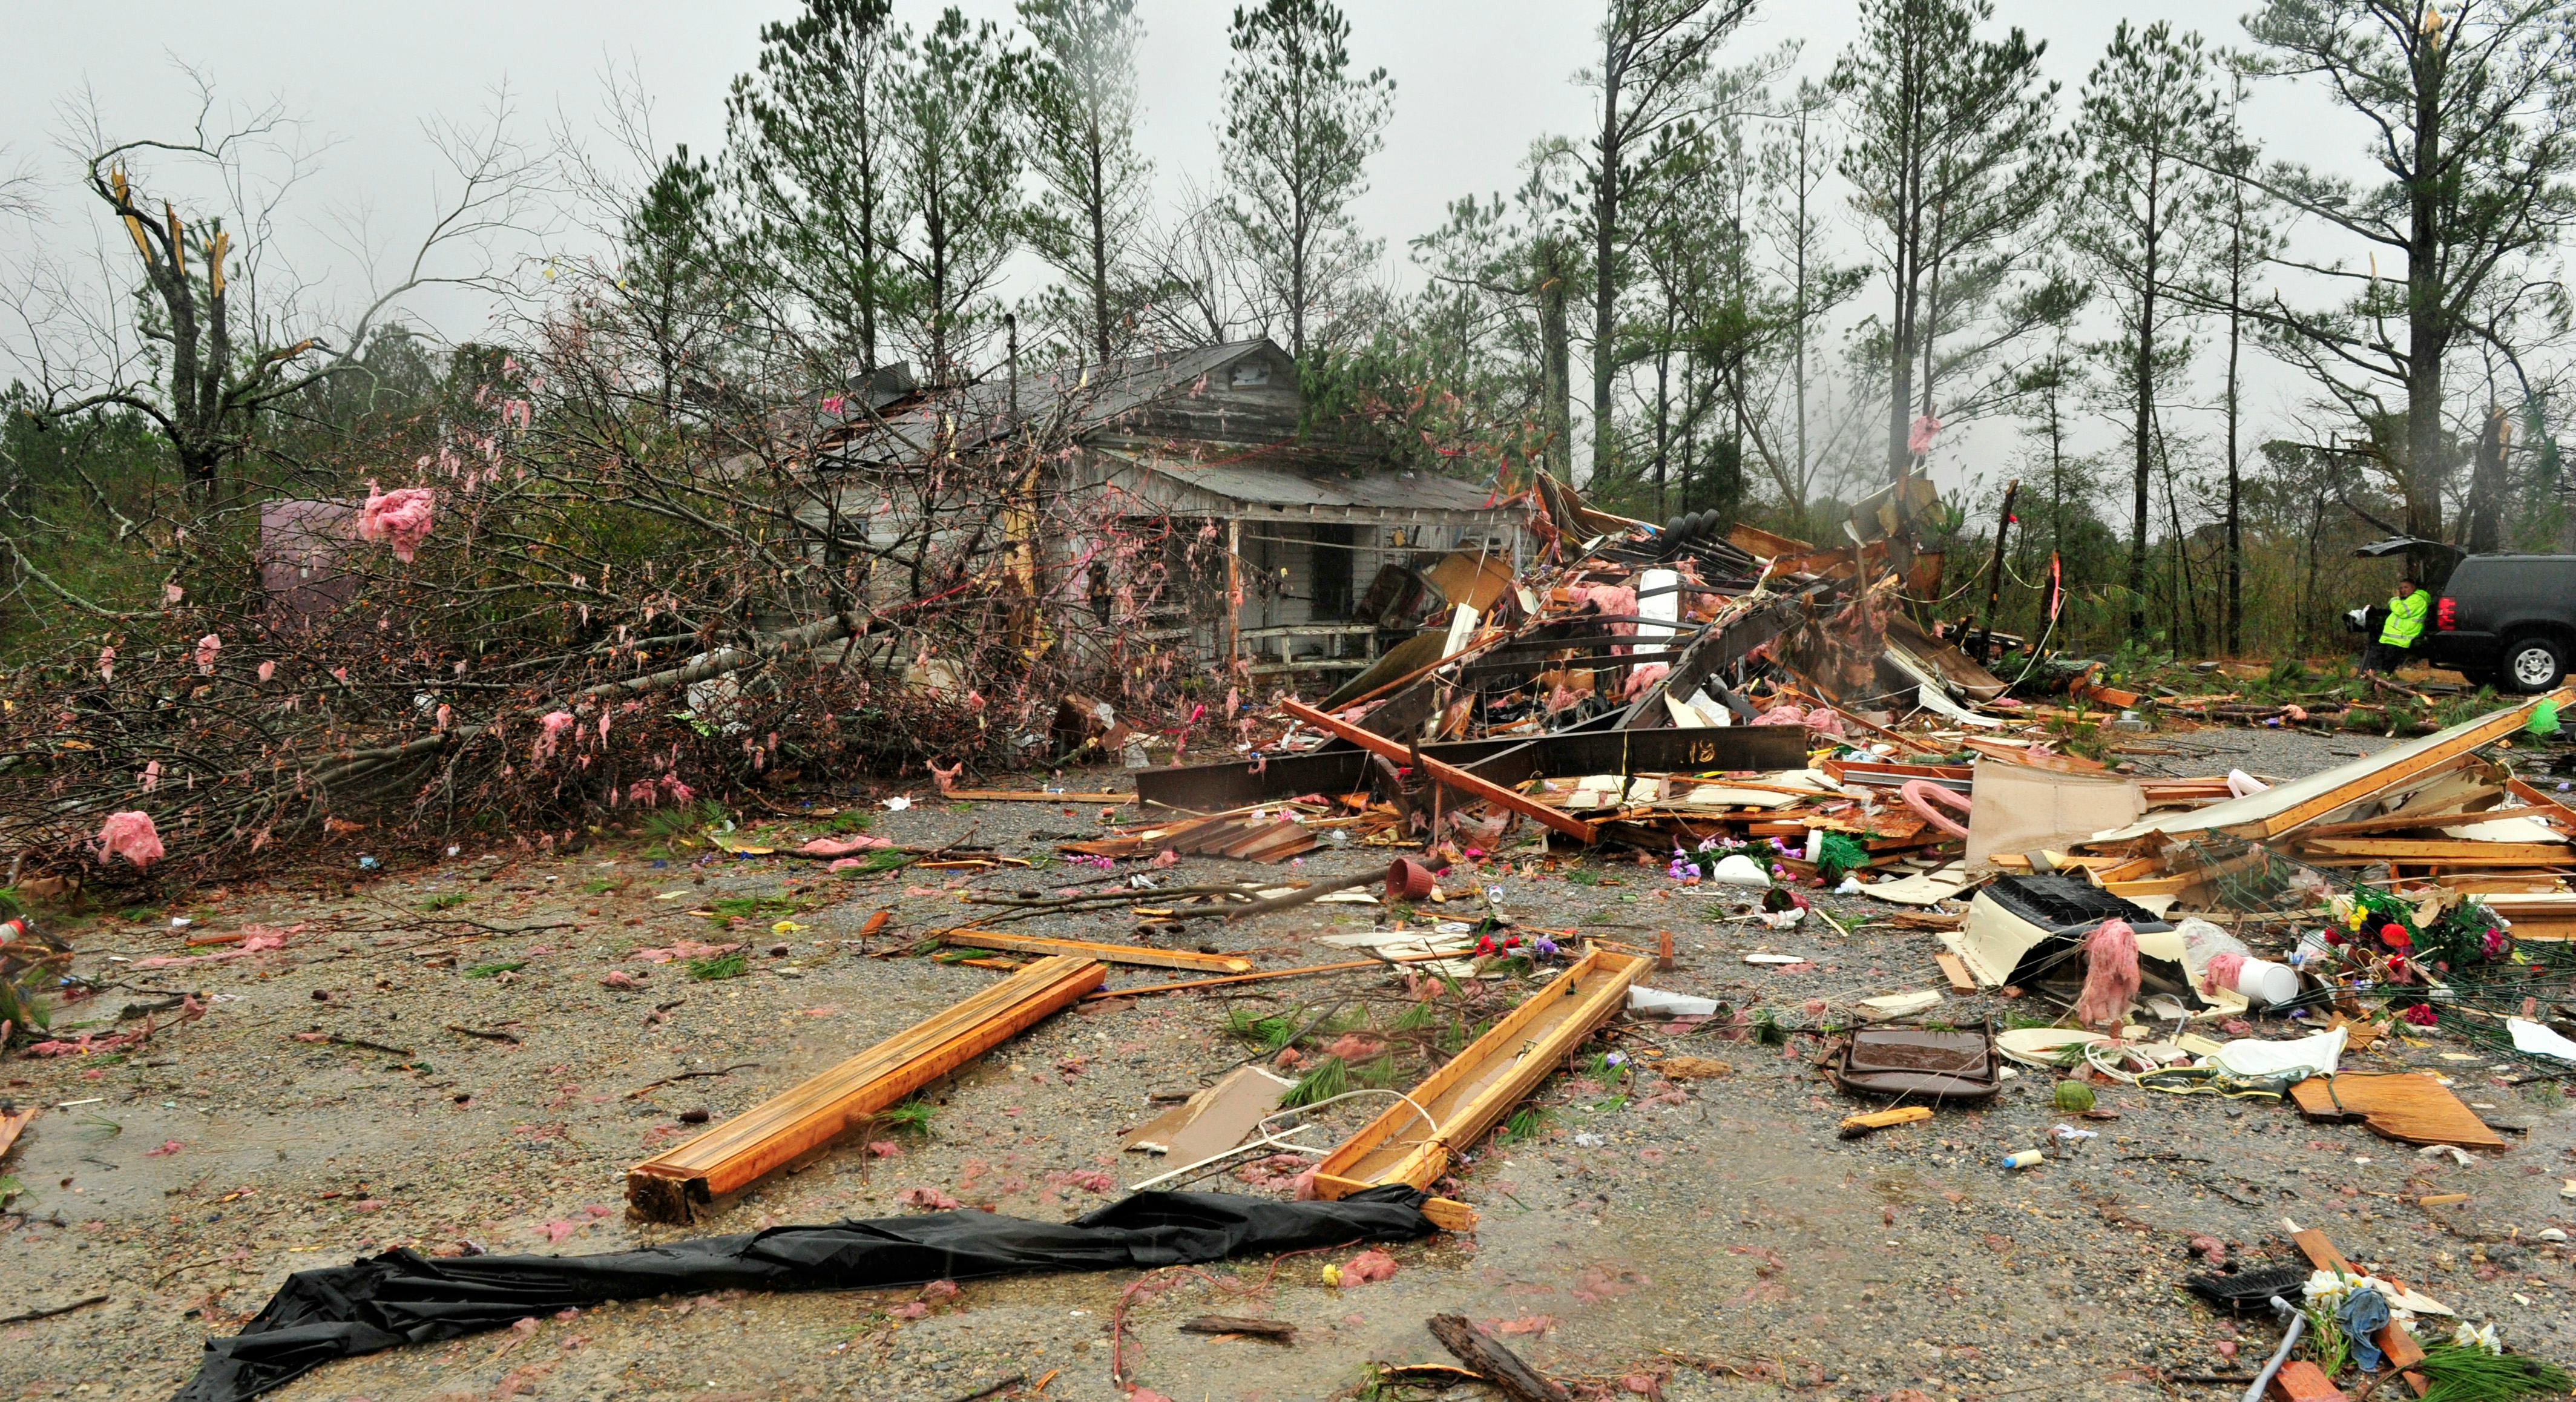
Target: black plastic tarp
[{"x": 403, "y": 1297}]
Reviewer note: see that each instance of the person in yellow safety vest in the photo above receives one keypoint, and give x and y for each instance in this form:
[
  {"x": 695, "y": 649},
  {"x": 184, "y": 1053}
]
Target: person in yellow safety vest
[{"x": 2405, "y": 624}]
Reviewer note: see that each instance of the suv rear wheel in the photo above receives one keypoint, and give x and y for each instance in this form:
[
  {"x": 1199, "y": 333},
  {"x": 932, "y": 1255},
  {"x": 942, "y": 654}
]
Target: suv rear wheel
[{"x": 2534, "y": 664}]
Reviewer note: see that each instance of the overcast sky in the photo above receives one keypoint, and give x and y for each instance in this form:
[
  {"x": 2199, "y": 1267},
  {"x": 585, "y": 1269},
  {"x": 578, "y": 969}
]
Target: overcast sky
[{"x": 1476, "y": 82}]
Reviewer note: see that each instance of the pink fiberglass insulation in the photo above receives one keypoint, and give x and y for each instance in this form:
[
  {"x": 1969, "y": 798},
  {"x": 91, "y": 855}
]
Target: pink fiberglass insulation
[
  {"x": 550, "y": 729},
  {"x": 2110, "y": 974},
  {"x": 401, "y": 517},
  {"x": 1614, "y": 601},
  {"x": 129, "y": 835},
  {"x": 2222, "y": 972}
]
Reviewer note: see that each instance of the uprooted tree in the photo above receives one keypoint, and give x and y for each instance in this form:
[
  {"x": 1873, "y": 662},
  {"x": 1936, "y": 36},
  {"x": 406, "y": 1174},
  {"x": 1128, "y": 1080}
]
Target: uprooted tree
[{"x": 637, "y": 554}]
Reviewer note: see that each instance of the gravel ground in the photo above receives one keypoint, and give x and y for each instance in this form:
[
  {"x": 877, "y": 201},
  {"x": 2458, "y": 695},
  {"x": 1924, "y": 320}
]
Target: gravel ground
[{"x": 1712, "y": 1236}]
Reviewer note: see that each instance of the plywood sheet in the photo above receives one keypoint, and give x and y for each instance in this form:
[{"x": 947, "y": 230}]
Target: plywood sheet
[{"x": 2412, "y": 1108}]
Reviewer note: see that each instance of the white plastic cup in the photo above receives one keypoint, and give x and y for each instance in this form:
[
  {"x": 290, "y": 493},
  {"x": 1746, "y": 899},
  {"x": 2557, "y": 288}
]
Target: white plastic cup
[{"x": 2262, "y": 981}]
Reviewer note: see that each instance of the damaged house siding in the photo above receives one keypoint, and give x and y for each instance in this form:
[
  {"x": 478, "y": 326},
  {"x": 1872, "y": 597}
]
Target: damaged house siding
[{"x": 1206, "y": 452}]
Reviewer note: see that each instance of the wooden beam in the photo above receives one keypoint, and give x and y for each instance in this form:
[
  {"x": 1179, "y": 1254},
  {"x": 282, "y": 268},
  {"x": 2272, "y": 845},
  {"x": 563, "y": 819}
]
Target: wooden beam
[
  {"x": 2386, "y": 777},
  {"x": 2548, "y": 804},
  {"x": 1034, "y": 796},
  {"x": 2452, "y": 814},
  {"x": 2455, "y": 849},
  {"x": 1448, "y": 776},
  {"x": 1344, "y": 967},
  {"x": 1470, "y": 1095},
  {"x": 1105, "y": 953},
  {"x": 2446, "y": 863},
  {"x": 769, "y": 1136}
]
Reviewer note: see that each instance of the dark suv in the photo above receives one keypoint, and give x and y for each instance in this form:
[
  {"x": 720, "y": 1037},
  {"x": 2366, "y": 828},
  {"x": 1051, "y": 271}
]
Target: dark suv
[{"x": 2506, "y": 621}]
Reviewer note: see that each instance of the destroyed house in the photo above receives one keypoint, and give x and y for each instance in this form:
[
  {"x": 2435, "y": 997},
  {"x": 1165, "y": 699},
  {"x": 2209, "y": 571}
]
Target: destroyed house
[{"x": 1187, "y": 499}]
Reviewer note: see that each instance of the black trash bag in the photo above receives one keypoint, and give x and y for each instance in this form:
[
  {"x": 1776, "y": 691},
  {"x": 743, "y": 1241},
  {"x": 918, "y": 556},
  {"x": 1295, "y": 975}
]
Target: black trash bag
[{"x": 403, "y": 1297}]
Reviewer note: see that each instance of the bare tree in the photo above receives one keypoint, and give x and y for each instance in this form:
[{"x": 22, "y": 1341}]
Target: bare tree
[
  {"x": 2246, "y": 242},
  {"x": 203, "y": 355},
  {"x": 1198, "y": 286}
]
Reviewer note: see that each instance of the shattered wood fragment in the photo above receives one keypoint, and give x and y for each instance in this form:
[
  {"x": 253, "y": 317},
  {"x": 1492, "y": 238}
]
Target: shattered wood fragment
[
  {"x": 12, "y": 1124},
  {"x": 1861, "y": 1126},
  {"x": 1345, "y": 966},
  {"x": 1034, "y": 796},
  {"x": 1213, "y": 1120},
  {"x": 2394, "y": 1339},
  {"x": 2302, "y": 1381},
  {"x": 1105, "y": 953},
  {"x": 769, "y": 1136},
  {"x": 1493, "y": 1362},
  {"x": 1208, "y": 788}
]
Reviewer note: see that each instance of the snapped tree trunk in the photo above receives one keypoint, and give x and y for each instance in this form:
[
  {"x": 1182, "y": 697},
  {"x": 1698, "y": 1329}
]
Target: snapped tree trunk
[{"x": 2487, "y": 485}]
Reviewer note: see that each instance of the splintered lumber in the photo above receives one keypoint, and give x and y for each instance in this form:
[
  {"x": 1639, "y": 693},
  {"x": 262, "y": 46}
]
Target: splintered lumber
[
  {"x": 771, "y": 1135},
  {"x": 1860, "y": 1126},
  {"x": 1343, "y": 967},
  {"x": 1105, "y": 953},
  {"x": 1493, "y": 1362},
  {"x": 2394, "y": 1338},
  {"x": 1470, "y": 1095},
  {"x": 2543, "y": 806},
  {"x": 2302, "y": 1381},
  {"x": 12, "y": 1123},
  {"x": 1449, "y": 776}
]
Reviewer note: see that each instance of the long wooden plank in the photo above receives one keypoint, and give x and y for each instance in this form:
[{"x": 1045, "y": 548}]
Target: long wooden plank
[
  {"x": 2493, "y": 728},
  {"x": 1468, "y": 1096},
  {"x": 2451, "y": 814},
  {"x": 1448, "y": 776},
  {"x": 2447, "y": 849},
  {"x": 1034, "y": 796},
  {"x": 767, "y": 1137},
  {"x": 1105, "y": 953}
]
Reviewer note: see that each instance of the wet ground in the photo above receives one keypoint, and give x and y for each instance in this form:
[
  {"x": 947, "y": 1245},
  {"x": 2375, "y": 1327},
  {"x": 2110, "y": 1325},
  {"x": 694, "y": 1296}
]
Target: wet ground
[{"x": 1708, "y": 1238}]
